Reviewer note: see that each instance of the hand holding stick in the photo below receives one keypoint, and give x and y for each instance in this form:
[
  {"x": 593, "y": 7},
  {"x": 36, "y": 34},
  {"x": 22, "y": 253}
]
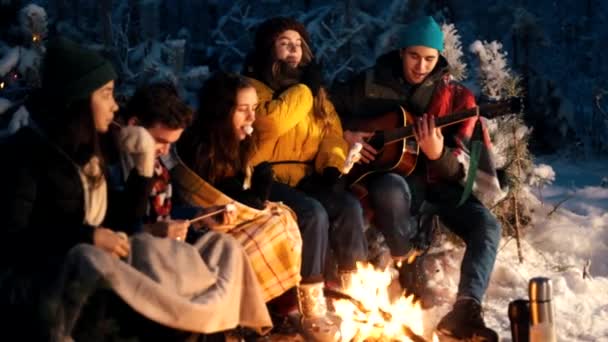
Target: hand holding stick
[{"x": 228, "y": 208}]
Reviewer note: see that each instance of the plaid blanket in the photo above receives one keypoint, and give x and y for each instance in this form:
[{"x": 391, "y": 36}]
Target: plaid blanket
[
  {"x": 270, "y": 237},
  {"x": 451, "y": 97}
]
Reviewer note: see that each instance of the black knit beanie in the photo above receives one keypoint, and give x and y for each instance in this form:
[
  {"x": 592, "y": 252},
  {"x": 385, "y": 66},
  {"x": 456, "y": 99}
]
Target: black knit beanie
[{"x": 71, "y": 72}]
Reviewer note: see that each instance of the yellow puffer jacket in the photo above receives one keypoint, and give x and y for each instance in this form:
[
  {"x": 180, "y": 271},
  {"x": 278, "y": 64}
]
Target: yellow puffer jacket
[{"x": 288, "y": 131}]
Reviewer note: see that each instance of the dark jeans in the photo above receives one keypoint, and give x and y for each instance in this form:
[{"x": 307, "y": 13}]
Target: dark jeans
[
  {"x": 319, "y": 216},
  {"x": 472, "y": 222},
  {"x": 390, "y": 198},
  {"x": 480, "y": 231},
  {"x": 313, "y": 223},
  {"x": 346, "y": 235}
]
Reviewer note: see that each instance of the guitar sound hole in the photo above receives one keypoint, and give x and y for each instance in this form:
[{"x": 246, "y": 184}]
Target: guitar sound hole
[{"x": 411, "y": 146}]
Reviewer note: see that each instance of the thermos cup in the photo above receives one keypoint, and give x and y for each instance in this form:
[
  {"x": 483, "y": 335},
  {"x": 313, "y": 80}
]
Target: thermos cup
[
  {"x": 542, "y": 328},
  {"x": 519, "y": 315}
]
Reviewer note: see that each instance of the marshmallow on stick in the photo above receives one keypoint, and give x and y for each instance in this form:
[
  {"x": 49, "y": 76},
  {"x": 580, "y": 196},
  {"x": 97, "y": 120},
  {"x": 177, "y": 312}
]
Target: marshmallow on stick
[
  {"x": 228, "y": 208},
  {"x": 354, "y": 154},
  {"x": 248, "y": 129}
]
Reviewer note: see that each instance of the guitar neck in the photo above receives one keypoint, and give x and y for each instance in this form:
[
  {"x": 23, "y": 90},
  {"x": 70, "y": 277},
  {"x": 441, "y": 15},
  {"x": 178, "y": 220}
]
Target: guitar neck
[{"x": 393, "y": 135}]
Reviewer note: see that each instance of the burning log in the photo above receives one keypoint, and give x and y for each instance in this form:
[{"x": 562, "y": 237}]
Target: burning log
[
  {"x": 335, "y": 294},
  {"x": 370, "y": 314},
  {"x": 412, "y": 335}
]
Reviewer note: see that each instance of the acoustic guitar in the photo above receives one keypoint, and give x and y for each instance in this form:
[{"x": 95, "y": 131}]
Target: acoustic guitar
[{"x": 394, "y": 137}]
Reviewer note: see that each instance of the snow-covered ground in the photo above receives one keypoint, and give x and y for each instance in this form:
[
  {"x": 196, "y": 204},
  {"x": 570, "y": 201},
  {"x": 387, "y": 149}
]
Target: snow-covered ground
[{"x": 557, "y": 246}]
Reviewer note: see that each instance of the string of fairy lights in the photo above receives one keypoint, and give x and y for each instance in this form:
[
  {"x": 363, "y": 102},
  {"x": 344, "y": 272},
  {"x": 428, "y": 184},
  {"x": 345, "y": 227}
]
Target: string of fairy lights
[{"x": 13, "y": 76}]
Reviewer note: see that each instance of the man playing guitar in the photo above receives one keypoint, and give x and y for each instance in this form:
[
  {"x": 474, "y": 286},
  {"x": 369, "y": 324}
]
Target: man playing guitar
[{"x": 416, "y": 77}]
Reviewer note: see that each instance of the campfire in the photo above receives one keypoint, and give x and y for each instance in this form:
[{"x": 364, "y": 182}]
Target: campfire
[{"x": 371, "y": 315}]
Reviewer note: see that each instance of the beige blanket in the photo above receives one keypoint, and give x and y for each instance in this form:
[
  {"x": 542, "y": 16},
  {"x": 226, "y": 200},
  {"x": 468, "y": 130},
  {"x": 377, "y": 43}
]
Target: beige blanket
[{"x": 206, "y": 287}]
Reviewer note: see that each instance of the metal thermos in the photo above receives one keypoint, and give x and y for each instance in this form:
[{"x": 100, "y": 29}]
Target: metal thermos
[
  {"x": 519, "y": 315},
  {"x": 541, "y": 311}
]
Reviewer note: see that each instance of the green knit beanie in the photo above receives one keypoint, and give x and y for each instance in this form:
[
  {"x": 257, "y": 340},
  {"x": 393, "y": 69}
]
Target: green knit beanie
[
  {"x": 424, "y": 31},
  {"x": 71, "y": 72}
]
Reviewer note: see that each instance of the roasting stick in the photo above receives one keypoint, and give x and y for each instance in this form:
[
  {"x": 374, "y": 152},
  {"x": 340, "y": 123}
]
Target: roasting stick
[{"x": 228, "y": 207}]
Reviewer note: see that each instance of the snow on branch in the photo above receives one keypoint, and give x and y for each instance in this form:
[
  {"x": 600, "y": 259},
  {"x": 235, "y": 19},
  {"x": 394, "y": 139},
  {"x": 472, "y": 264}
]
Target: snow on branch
[
  {"x": 33, "y": 22},
  {"x": 540, "y": 176},
  {"x": 495, "y": 77},
  {"x": 452, "y": 52}
]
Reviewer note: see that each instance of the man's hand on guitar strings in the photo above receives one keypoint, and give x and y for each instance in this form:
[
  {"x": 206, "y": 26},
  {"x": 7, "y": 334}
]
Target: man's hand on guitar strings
[
  {"x": 368, "y": 153},
  {"x": 430, "y": 139}
]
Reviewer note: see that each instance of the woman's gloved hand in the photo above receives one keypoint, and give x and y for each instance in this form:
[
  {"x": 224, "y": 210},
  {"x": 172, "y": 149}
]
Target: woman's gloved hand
[
  {"x": 261, "y": 180},
  {"x": 140, "y": 145},
  {"x": 312, "y": 76}
]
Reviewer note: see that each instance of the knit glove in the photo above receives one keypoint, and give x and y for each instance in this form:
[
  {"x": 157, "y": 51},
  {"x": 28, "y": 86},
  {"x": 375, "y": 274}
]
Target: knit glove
[
  {"x": 312, "y": 76},
  {"x": 140, "y": 145},
  {"x": 261, "y": 180}
]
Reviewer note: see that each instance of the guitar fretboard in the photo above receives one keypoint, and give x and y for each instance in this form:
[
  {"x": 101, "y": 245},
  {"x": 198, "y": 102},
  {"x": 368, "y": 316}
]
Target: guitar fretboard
[{"x": 489, "y": 110}]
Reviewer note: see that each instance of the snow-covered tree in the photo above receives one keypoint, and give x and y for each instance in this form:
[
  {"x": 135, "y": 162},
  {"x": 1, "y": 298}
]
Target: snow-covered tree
[
  {"x": 33, "y": 23},
  {"x": 509, "y": 135},
  {"x": 495, "y": 77},
  {"x": 452, "y": 52}
]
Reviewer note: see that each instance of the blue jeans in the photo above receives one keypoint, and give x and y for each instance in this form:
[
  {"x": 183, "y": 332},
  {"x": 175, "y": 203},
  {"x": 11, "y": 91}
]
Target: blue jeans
[
  {"x": 346, "y": 235},
  {"x": 392, "y": 200},
  {"x": 480, "y": 231},
  {"x": 314, "y": 227}
]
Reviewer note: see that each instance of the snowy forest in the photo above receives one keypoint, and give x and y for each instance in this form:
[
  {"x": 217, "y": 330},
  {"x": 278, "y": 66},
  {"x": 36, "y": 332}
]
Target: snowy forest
[
  {"x": 554, "y": 153},
  {"x": 553, "y": 47}
]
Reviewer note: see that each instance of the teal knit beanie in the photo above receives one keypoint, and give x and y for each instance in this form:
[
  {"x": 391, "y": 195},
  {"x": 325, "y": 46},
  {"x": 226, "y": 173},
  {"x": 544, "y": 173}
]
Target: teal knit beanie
[
  {"x": 71, "y": 72},
  {"x": 424, "y": 31}
]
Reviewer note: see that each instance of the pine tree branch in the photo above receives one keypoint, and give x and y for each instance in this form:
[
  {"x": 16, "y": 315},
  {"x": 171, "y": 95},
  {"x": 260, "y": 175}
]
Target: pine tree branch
[{"x": 515, "y": 204}]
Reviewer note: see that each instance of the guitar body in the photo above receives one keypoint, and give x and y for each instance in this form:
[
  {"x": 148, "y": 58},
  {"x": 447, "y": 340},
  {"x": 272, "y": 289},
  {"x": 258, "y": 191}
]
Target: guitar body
[
  {"x": 391, "y": 157},
  {"x": 394, "y": 137}
]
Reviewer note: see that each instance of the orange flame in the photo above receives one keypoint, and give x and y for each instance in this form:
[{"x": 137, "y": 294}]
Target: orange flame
[{"x": 377, "y": 317}]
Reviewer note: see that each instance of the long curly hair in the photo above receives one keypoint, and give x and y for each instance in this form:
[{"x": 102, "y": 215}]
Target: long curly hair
[{"x": 210, "y": 147}]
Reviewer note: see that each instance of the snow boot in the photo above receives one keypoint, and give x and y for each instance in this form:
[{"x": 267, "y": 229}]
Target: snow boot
[
  {"x": 314, "y": 322},
  {"x": 465, "y": 323}
]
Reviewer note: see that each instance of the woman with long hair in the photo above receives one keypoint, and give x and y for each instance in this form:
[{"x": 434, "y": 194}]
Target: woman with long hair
[
  {"x": 219, "y": 146},
  {"x": 300, "y": 135},
  {"x": 54, "y": 192},
  {"x": 214, "y": 170}
]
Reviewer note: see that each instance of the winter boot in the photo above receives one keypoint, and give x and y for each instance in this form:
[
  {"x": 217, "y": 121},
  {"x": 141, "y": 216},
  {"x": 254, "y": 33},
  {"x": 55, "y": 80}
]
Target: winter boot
[
  {"x": 465, "y": 322},
  {"x": 314, "y": 322}
]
